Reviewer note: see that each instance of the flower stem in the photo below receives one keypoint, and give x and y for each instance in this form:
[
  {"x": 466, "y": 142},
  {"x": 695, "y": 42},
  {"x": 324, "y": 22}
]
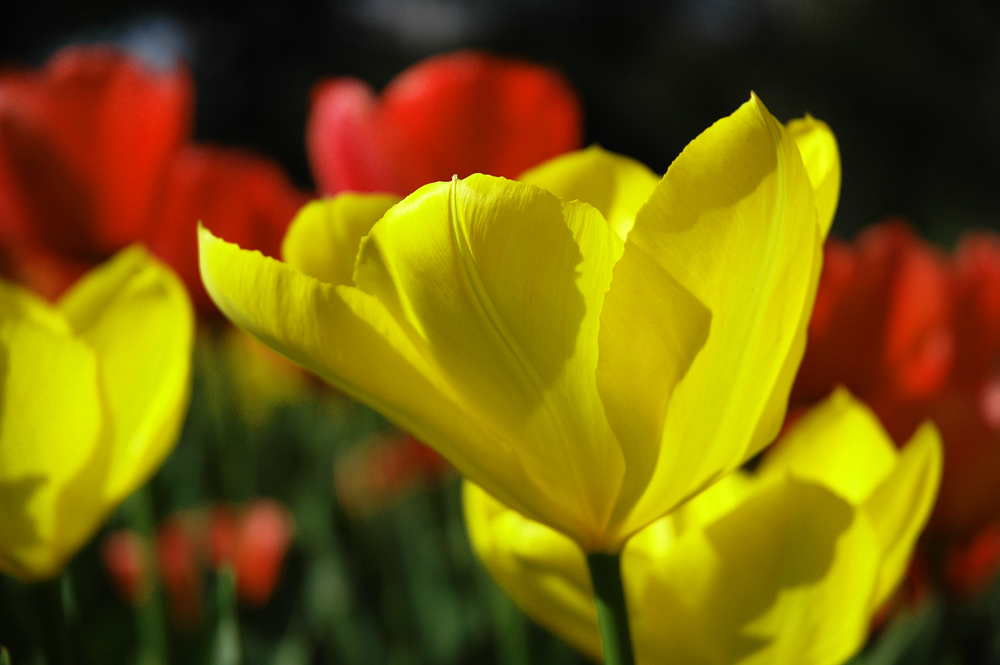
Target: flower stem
[
  {"x": 150, "y": 619},
  {"x": 226, "y": 649},
  {"x": 612, "y": 616}
]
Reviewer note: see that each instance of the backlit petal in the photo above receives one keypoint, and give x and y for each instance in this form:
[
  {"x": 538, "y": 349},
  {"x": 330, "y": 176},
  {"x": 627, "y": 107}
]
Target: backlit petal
[
  {"x": 821, "y": 157},
  {"x": 544, "y": 571},
  {"x": 324, "y": 238},
  {"x": 899, "y": 508},
  {"x": 239, "y": 195},
  {"x": 773, "y": 568},
  {"x": 349, "y": 339},
  {"x": 50, "y": 429},
  {"x": 502, "y": 284},
  {"x": 614, "y": 184},
  {"x": 734, "y": 222},
  {"x": 136, "y": 316},
  {"x": 839, "y": 444}
]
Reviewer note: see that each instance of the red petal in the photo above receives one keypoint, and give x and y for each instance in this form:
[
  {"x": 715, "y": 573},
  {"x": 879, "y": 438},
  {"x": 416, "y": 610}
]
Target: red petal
[
  {"x": 977, "y": 304},
  {"x": 264, "y": 537},
  {"x": 344, "y": 143},
  {"x": 177, "y": 555},
  {"x": 454, "y": 114},
  {"x": 882, "y": 326},
  {"x": 125, "y": 556},
  {"x": 83, "y": 146},
  {"x": 241, "y": 197}
]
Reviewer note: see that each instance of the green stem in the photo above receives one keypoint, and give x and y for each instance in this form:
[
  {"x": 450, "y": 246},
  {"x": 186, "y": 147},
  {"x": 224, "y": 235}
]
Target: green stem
[
  {"x": 612, "y": 615},
  {"x": 59, "y": 640},
  {"x": 226, "y": 649},
  {"x": 150, "y": 619}
]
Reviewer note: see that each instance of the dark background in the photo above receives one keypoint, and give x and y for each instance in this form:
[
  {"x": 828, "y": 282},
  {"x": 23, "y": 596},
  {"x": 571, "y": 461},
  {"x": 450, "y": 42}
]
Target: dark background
[{"x": 912, "y": 90}]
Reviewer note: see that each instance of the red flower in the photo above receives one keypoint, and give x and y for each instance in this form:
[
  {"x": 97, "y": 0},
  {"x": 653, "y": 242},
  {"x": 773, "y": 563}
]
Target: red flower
[
  {"x": 255, "y": 542},
  {"x": 459, "y": 113},
  {"x": 917, "y": 336},
  {"x": 94, "y": 155},
  {"x": 384, "y": 471},
  {"x": 84, "y": 145},
  {"x": 246, "y": 198},
  {"x": 178, "y": 557},
  {"x": 881, "y": 326},
  {"x": 968, "y": 408},
  {"x": 126, "y": 557}
]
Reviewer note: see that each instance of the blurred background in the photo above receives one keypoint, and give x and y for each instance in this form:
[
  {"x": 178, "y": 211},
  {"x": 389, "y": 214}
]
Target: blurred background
[{"x": 912, "y": 90}]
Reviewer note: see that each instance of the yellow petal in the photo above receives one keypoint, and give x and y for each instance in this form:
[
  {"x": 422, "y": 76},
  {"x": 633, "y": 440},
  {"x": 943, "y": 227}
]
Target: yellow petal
[
  {"x": 821, "y": 157},
  {"x": 731, "y": 590},
  {"x": 135, "y": 314},
  {"x": 616, "y": 185},
  {"x": 323, "y": 239},
  {"x": 50, "y": 429},
  {"x": 786, "y": 566},
  {"x": 651, "y": 330},
  {"x": 753, "y": 577},
  {"x": 734, "y": 221},
  {"x": 899, "y": 509},
  {"x": 840, "y": 444},
  {"x": 502, "y": 283},
  {"x": 348, "y": 338},
  {"x": 541, "y": 569}
]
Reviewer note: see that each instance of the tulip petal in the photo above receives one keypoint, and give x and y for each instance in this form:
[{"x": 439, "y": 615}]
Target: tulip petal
[
  {"x": 136, "y": 316},
  {"x": 899, "y": 509},
  {"x": 501, "y": 283},
  {"x": 747, "y": 572},
  {"x": 616, "y": 185},
  {"x": 350, "y": 340},
  {"x": 324, "y": 238},
  {"x": 651, "y": 330},
  {"x": 84, "y": 145},
  {"x": 839, "y": 444},
  {"x": 46, "y": 371},
  {"x": 746, "y": 245},
  {"x": 453, "y": 114},
  {"x": 727, "y": 591},
  {"x": 347, "y": 150},
  {"x": 821, "y": 157},
  {"x": 239, "y": 195},
  {"x": 818, "y": 148},
  {"x": 544, "y": 571}
]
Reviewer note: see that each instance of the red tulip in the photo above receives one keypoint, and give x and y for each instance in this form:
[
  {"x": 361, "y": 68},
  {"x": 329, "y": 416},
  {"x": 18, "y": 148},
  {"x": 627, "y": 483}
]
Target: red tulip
[
  {"x": 246, "y": 198},
  {"x": 384, "y": 471},
  {"x": 126, "y": 557},
  {"x": 84, "y": 145},
  {"x": 255, "y": 542},
  {"x": 918, "y": 337},
  {"x": 973, "y": 566},
  {"x": 95, "y": 155},
  {"x": 881, "y": 326},
  {"x": 459, "y": 113},
  {"x": 968, "y": 410},
  {"x": 178, "y": 555}
]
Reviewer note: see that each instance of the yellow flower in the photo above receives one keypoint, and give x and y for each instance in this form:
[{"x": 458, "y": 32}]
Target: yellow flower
[
  {"x": 787, "y": 565},
  {"x": 95, "y": 390},
  {"x": 591, "y": 373}
]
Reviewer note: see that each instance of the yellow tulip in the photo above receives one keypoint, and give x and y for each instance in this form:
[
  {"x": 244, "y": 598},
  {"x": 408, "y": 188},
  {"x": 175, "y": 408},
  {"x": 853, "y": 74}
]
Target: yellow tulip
[
  {"x": 593, "y": 346},
  {"x": 95, "y": 389},
  {"x": 787, "y": 565}
]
